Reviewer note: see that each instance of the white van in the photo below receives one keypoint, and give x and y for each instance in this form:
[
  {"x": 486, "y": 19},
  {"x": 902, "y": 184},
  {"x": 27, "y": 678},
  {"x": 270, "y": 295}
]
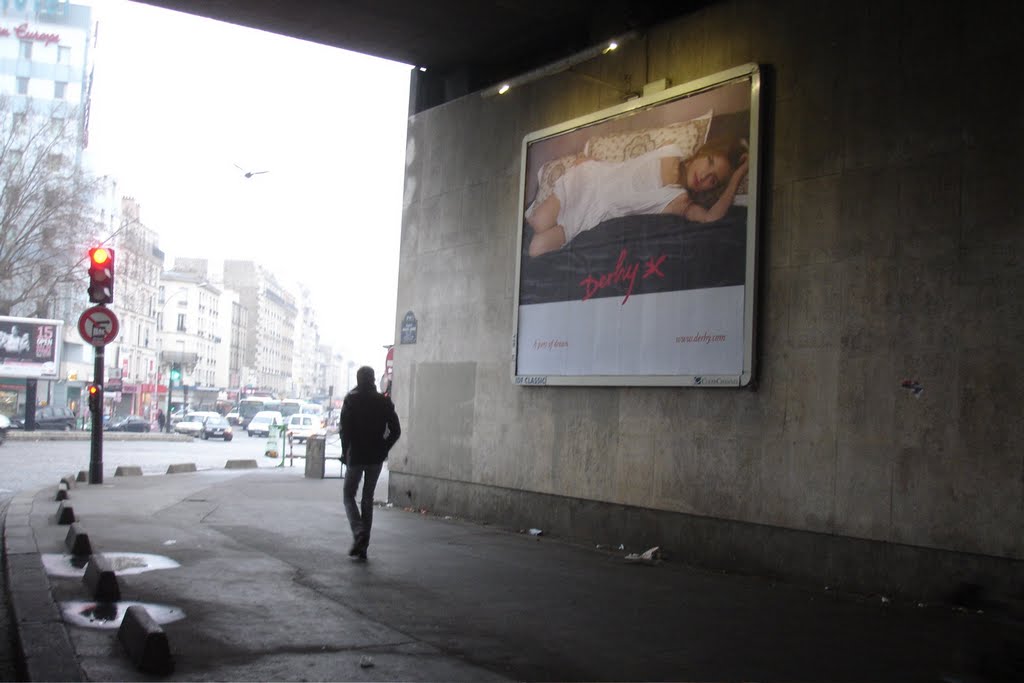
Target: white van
[
  {"x": 259, "y": 425},
  {"x": 302, "y": 426}
]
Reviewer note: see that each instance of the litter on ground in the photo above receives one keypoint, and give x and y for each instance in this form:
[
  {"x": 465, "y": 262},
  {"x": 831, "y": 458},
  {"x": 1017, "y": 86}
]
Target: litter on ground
[{"x": 651, "y": 556}]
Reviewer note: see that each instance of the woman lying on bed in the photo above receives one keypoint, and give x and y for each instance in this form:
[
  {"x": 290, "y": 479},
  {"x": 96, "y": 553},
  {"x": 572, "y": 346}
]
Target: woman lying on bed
[{"x": 660, "y": 181}]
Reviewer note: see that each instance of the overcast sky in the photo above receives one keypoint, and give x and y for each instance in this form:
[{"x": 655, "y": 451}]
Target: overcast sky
[{"x": 179, "y": 101}]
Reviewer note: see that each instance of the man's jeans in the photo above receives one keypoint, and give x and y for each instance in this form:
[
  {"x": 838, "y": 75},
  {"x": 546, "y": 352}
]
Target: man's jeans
[{"x": 360, "y": 523}]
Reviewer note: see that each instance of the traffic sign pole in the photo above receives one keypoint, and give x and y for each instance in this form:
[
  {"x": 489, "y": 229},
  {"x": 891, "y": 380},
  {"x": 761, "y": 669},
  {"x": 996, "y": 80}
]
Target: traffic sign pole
[{"x": 96, "y": 449}]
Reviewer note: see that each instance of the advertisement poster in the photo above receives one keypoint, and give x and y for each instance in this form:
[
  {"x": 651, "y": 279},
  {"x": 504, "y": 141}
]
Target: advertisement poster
[
  {"x": 638, "y": 236},
  {"x": 29, "y": 347}
]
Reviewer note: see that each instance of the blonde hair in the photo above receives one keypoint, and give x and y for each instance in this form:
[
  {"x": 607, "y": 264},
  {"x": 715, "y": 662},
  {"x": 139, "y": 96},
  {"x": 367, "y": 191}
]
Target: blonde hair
[{"x": 732, "y": 149}]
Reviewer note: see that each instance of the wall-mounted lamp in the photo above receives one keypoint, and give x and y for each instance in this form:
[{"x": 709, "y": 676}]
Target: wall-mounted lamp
[{"x": 559, "y": 66}]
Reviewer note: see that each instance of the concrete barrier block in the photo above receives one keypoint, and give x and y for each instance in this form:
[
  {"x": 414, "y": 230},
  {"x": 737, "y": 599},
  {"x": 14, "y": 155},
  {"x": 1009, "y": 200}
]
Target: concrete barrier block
[
  {"x": 68, "y": 481},
  {"x": 101, "y": 580},
  {"x": 77, "y": 541},
  {"x": 181, "y": 467},
  {"x": 145, "y": 642},
  {"x": 83, "y": 475},
  {"x": 241, "y": 465},
  {"x": 65, "y": 513},
  {"x": 128, "y": 471},
  {"x": 62, "y": 493}
]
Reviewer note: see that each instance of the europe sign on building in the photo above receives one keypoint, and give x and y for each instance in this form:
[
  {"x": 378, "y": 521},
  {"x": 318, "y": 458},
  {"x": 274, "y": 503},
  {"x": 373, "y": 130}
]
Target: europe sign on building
[
  {"x": 638, "y": 236},
  {"x": 30, "y": 347}
]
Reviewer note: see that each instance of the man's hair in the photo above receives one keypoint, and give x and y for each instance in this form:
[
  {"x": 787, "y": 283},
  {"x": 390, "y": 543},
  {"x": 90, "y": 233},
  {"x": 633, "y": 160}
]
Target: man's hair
[{"x": 364, "y": 376}]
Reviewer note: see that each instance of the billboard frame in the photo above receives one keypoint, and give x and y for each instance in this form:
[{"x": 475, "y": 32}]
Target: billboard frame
[
  {"x": 28, "y": 369},
  {"x": 744, "y": 372}
]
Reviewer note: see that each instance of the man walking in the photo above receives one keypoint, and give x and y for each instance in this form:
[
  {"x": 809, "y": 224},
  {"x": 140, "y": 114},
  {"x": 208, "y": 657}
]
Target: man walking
[{"x": 369, "y": 428}]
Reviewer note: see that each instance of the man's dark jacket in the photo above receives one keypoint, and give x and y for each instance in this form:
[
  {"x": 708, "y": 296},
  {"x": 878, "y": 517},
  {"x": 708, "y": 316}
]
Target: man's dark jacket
[{"x": 369, "y": 426}]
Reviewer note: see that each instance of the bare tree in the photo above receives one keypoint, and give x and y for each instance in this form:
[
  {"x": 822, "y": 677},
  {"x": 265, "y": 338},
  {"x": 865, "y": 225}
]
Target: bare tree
[{"x": 47, "y": 216}]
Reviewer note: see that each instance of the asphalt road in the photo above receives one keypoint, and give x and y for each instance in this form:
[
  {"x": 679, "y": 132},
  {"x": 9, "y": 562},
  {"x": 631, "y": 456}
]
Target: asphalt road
[{"x": 33, "y": 465}]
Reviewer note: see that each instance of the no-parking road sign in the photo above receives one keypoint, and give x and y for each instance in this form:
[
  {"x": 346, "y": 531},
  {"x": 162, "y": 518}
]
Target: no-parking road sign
[{"x": 98, "y": 325}]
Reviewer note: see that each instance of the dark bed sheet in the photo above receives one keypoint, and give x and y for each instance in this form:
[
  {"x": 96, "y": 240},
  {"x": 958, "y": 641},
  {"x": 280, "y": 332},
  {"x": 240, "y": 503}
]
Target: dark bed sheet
[{"x": 639, "y": 255}]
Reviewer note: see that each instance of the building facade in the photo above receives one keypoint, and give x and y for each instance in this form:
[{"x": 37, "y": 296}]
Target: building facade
[
  {"x": 189, "y": 322},
  {"x": 45, "y": 57},
  {"x": 133, "y": 358},
  {"x": 270, "y": 332}
]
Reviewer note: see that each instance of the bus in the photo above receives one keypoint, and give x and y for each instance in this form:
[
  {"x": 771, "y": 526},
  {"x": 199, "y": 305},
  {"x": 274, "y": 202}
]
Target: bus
[
  {"x": 248, "y": 407},
  {"x": 290, "y": 406}
]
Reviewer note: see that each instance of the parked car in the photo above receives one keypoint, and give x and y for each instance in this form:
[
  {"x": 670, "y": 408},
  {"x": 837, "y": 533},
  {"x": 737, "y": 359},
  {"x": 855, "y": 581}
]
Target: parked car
[
  {"x": 128, "y": 423},
  {"x": 216, "y": 427},
  {"x": 302, "y": 426},
  {"x": 5, "y": 424},
  {"x": 260, "y": 423},
  {"x": 49, "y": 417},
  {"x": 192, "y": 423}
]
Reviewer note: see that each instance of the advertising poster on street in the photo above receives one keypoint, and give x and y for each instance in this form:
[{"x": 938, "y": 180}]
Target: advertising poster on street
[
  {"x": 638, "y": 236},
  {"x": 30, "y": 347}
]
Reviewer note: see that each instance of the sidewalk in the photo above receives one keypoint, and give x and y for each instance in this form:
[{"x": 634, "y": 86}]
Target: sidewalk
[{"x": 267, "y": 592}]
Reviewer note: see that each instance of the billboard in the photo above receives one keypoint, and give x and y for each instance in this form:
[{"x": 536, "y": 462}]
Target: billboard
[
  {"x": 30, "y": 347},
  {"x": 638, "y": 241}
]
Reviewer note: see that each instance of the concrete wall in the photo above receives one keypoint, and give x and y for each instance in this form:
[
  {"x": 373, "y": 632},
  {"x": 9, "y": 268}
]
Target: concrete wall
[{"x": 890, "y": 250}]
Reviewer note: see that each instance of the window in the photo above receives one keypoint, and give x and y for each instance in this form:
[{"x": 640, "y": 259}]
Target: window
[
  {"x": 181, "y": 322},
  {"x": 59, "y": 88},
  {"x": 63, "y": 54},
  {"x": 25, "y": 49},
  {"x": 22, "y": 85}
]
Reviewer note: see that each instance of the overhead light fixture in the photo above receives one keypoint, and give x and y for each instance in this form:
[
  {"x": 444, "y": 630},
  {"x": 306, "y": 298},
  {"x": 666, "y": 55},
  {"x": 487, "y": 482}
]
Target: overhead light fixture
[
  {"x": 559, "y": 66},
  {"x": 423, "y": 69}
]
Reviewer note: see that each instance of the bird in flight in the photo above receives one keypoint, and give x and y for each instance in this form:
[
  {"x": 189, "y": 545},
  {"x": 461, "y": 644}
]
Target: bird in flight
[{"x": 249, "y": 174}]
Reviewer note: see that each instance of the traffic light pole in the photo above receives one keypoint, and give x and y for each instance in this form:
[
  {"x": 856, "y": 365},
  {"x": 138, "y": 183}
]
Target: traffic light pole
[
  {"x": 96, "y": 450},
  {"x": 170, "y": 388}
]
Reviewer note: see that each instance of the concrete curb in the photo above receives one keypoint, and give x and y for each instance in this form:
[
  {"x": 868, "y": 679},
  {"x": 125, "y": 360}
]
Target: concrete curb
[
  {"x": 43, "y": 644},
  {"x": 18, "y": 435},
  {"x": 181, "y": 467}
]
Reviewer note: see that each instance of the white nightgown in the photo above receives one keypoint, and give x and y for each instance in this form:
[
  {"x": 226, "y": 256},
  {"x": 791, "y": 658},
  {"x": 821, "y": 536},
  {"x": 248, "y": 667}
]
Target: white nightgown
[{"x": 595, "y": 191}]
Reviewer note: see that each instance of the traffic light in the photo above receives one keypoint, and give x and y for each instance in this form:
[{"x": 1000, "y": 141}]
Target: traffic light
[
  {"x": 95, "y": 398},
  {"x": 101, "y": 275},
  {"x": 175, "y": 374}
]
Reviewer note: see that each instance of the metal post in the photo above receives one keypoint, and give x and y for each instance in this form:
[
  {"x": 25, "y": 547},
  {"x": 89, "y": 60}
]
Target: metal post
[
  {"x": 96, "y": 451},
  {"x": 170, "y": 390}
]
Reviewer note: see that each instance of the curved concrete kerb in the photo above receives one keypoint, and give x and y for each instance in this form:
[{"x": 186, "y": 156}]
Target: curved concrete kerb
[
  {"x": 77, "y": 541},
  {"x": 101, "y": 580},
  {"x": 181, "y": 467},
  {"x": 128, "y": 471},
  {"x": 145, "y": 642}
]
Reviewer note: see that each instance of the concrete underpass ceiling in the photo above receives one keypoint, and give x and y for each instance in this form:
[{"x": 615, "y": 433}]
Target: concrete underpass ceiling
[{"x": 465, "y": 45}]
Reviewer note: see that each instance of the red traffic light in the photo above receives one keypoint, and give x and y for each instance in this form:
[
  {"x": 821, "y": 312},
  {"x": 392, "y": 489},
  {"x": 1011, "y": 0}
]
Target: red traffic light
[{"x": 101, "y": 275}]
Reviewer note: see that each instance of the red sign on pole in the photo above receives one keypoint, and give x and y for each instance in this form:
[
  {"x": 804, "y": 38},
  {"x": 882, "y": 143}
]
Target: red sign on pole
[{"x": 98, "y": 325}]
